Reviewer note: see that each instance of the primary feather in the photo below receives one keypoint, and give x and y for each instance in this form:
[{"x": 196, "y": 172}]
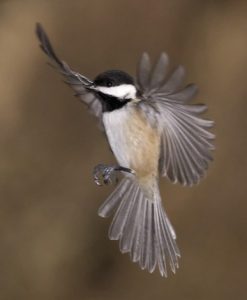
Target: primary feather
[
  {"x": 74, "y": 79},
  {"x": 186, "y": 147}
]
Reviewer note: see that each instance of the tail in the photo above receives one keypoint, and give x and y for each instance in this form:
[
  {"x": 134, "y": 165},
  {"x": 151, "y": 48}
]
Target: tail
[{"x": 142, "y": 227}]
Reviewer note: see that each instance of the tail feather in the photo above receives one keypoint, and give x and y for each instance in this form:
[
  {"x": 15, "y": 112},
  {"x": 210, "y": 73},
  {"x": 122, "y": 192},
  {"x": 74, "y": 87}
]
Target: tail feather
[
  {"x": 168, "y": 242},
  {"x": 128, "y": 235},
  {"x": 138, "y": 231},
  {"x": 148, "y": 255},
  {"x": 111, "y": 203},
  {"x": 160, "y": 244},
  {"x": 172, "y": 234},
  {"x": 142, "y": 227},
  {"x": 121, "y": 216}
]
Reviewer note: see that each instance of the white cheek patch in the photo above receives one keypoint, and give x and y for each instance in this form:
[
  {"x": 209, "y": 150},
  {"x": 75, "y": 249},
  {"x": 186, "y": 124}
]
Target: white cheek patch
[{"x": 123, "y": 91}]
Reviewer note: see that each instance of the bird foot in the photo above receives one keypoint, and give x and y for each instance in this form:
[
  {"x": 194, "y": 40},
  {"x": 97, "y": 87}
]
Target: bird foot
[{"x": 108, "y": 173}]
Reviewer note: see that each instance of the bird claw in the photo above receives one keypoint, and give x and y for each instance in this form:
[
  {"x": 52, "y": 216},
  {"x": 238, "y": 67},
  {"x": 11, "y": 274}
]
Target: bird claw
[
  {"x": 103, "y": 173},
  {"x": 107, "y": 174}
]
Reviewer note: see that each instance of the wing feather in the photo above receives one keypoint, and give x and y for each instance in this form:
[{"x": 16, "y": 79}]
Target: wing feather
[
  {"x": 186, "y": 142},
  {"x": 159, "y": 71},
  {"x": 185, "y": 94},
  {"x": 175, "y": 81},
  {"x": 143, "y": 71},
  {"x": 74, "y": 79}
]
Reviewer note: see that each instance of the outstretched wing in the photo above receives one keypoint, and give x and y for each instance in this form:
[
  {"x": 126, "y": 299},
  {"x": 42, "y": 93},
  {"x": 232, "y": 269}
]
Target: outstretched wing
[
  {"x": 77, "y": 81},
  {"x": 186, "y": 147}
]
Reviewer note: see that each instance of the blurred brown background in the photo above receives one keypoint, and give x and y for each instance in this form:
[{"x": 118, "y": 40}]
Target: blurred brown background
[{"x": 52, "y": 243}]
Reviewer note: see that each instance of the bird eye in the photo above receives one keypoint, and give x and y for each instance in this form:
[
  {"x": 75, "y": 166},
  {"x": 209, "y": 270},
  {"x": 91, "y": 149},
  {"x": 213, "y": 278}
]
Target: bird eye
[{"x": 108, "y": 83}]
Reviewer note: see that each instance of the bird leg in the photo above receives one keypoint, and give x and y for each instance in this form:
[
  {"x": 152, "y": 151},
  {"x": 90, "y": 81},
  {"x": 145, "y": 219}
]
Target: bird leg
[{"x": 108, "y": 173}]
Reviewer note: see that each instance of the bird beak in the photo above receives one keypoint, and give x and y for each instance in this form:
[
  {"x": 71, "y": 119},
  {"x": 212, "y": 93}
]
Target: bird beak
[
  {"x": 91, "y": 87},
  {"x": 87, "y": 83},
  {"x": 84, "y": 80}
]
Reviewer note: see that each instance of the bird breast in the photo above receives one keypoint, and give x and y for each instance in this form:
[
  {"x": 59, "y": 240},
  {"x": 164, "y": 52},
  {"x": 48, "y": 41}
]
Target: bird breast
[{"x": 134, "y": 142}]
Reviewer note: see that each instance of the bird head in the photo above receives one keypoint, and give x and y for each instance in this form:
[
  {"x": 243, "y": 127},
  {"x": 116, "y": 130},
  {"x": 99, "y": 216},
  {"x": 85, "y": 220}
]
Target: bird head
[{"x": 115, "y": 84}]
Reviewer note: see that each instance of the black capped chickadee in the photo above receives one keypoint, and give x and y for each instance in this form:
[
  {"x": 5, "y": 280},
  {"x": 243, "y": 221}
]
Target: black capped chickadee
[{"x": 153, "y": 131}]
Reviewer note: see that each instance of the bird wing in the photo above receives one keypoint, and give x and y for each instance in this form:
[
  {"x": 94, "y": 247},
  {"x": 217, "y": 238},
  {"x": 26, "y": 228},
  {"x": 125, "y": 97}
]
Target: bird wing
[
  {"x": 186, "y": 143},
  {"x": 74, "y": 79}
]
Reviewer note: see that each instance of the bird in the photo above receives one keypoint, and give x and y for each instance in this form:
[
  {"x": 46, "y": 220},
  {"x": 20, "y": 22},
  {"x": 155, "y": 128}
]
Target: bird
[{"x": 154, "y": 131}]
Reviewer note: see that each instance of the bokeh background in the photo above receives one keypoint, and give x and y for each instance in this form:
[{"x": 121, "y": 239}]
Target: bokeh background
[{"x": 52, "y": 243}]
